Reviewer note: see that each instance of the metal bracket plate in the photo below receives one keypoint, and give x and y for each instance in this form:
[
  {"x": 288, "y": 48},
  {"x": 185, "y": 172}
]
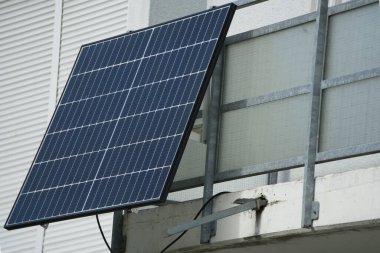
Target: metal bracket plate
[{"x": 315, "y": 210}]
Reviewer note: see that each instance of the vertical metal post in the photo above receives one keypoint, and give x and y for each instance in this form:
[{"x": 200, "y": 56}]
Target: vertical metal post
[
  {"x": 117, "y": 241},
  {"x": 213, "y": 117},
  {"x": 309, "y": 206},
  {"x": 206, "y": 102}
]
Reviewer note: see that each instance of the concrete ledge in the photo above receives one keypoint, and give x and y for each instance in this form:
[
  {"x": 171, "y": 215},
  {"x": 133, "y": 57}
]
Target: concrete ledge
[
  {"x": 349, "y": 208},
  {"x": 321, "y": 239}
]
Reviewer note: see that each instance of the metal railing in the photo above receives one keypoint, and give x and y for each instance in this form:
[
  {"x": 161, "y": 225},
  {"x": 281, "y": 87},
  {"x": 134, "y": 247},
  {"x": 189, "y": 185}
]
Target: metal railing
[{"x": 314, "y": 89}]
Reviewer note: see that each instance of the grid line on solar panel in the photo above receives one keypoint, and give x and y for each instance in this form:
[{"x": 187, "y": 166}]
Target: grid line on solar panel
[
  {"x": 86, "y": 181},
  {"x": 160, "y": 79},
  {"x": 145, "y": 57},
  {"x": 166, "y": 79},
  {"x": 138, "y": 114},
  {"x": 99, "y": 150},
  {"x": 121, "y": 120},
  {"x": 129, "y": 89},
  {"x": 120, "y": 117},
  {"x": 111, "y": 120}
]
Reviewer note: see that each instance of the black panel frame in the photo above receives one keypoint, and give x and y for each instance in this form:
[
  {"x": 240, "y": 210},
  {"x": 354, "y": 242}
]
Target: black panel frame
[{"x": 182, "y": 145}]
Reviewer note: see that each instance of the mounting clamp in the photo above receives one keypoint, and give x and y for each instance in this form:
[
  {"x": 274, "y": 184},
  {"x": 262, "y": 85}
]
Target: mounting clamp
[{"x": 45, "y": 225}]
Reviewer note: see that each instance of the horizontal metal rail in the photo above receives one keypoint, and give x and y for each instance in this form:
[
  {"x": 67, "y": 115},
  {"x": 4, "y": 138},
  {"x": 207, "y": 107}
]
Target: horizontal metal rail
[
  {"x": 351, "y": 78},
  {"x": 274, "y": 96}
]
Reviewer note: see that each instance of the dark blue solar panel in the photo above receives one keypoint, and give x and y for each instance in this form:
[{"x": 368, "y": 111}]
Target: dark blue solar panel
[{"x": 120, "y": 128}]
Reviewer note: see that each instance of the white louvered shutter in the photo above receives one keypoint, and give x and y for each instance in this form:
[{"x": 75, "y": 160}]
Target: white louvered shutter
[{"x": 26, "y": 35}]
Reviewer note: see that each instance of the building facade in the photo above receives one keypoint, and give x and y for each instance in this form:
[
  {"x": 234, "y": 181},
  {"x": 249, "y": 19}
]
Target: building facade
[{"x": 267, "y": 73}]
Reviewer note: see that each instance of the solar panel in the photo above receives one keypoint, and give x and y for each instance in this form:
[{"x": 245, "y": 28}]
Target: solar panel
[{"x": 122, "y": 123}]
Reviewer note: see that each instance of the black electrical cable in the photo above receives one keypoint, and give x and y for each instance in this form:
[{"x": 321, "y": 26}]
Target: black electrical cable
[
  {"x": 195, "y": 217},
  {"x": 101, "y": 231}
]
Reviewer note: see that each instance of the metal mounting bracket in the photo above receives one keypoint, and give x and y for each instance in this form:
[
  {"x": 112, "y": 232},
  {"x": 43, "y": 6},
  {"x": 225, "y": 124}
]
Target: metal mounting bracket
[
  {"x": 315, "y": 210},
  {"x": 244, "y": 204},
  {"x": 45, "y": 226}
]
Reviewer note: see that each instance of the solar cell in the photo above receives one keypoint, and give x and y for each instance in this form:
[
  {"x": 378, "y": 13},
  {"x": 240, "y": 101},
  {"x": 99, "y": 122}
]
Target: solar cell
[{"x": 121, "y": 125}]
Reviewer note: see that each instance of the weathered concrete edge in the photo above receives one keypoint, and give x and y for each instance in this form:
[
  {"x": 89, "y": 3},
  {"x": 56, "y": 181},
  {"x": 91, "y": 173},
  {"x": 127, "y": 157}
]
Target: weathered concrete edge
[{"x": 281, "y": 236}]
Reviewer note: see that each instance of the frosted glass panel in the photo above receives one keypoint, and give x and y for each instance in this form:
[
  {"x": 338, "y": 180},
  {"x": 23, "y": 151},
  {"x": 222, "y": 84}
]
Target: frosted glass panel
[
  {"x": 269, "y": 63},
  {"x": 354, "y": 41},
  {"x": 264, "y": 133},
  {"x": 192, "y": 162},
  {"x": 186, "y": 195},
  {"x": 350, "y": 115}
]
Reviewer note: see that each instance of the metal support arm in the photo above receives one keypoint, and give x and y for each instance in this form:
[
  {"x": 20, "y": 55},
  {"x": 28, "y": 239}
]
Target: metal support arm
[{"x": 247, "y": 204}]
